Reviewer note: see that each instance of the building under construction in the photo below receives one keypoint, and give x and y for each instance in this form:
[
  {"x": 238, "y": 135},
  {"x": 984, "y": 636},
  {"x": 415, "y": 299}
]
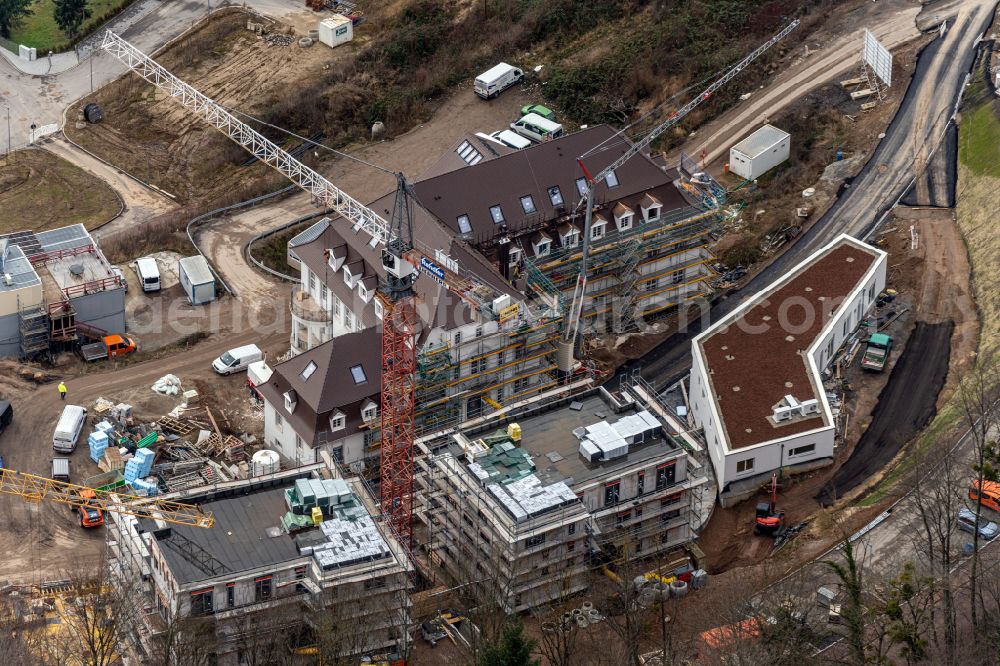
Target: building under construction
[
  {"x": 270, "y": 577},
  {"x": 56, "y": 289},
  {"x": 534, "y": 501}
]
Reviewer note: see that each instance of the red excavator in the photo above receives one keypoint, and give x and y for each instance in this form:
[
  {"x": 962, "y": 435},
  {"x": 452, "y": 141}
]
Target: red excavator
[{"x": 769, "y": 520}]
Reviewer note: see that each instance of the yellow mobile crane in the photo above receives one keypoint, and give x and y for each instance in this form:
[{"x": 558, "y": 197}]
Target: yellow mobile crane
[{"x": 33, "y": 488}]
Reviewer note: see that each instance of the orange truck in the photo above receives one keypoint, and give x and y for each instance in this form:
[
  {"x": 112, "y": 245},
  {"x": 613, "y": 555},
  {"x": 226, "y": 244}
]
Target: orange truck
[
  {"x": 110, "y": 346},
  {"x": 89, "y": 516}
]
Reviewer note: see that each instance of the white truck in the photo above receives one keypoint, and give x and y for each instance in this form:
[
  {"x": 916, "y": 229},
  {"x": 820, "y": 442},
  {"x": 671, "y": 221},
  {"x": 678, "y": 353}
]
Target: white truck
[{"x": 495, "y": 80}]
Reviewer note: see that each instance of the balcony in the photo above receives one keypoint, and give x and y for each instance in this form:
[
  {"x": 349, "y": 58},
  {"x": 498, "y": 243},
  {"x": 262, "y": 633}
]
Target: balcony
[{"x": 307, "y": 308}]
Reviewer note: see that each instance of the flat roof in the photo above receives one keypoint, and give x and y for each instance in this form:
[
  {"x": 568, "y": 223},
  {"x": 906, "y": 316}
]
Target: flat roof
[
  {"x": 247, "y": 535},
  {"x": 761, "y": 141},
  {"x": 549, "y": 439},
  {"x": 22, "y": 273},
  {"x": 197, "y": 269},
  {"x": 753, "y": 362}
]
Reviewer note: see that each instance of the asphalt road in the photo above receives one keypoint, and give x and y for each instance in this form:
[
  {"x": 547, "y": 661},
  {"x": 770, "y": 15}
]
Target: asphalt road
[{"x": 919, "y": 126}]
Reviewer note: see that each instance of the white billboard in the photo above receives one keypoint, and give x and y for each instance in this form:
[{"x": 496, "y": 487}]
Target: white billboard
[{"x": 878, "y": 58}]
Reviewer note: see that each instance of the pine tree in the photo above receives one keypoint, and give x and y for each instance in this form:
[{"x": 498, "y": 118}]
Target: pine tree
[
  {"x": 11, "y": 12},
  {"x": 512, "y": 649},
  {"x": 70, "y": 15}
]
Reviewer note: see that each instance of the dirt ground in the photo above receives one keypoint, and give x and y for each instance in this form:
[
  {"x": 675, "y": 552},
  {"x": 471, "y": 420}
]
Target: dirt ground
[
  {"x": 932, "y": 280},
  {"x": 40, "y": 191}
]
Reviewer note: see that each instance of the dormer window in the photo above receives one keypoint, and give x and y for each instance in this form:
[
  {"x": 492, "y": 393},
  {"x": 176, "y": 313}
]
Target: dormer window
[
  {"x": 652, "y": 214},
  {"x": 348, "y": 278},
  {"x": 514, "y": 257},
  {"x": 542, "y": 248},
  {"x": 337, "y": 421},
  {"x": 496, "y": 214},
  {"x": 369, "y": 412},
  {"x": 625, "y": 222},
  {"x": 571, "y": 238},
  {"x": 365, "y": 294},
  {"x": 597, "y": 228},
  {"x": 378, "y": 309},
  {"x": 555, "y": 196},
  {"x": 528, "y": 204},
  {"x": 464, "y": 227},
  {"x": 623, "y": 217},
  {"x": 650, "y": 206},
  {"x": 290, "y": 401},
  {"x": 611, "y": 179}
]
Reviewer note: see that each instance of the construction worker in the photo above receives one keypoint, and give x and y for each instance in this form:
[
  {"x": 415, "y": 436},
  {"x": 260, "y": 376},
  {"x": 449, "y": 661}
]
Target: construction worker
[{"x": 62, "y": 391}]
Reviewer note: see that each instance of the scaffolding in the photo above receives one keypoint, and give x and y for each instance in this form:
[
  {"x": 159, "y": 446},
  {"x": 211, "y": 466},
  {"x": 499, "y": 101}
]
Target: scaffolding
[
  {"x": 620, "y": 256},
  {"x": 33, "y": 331}
]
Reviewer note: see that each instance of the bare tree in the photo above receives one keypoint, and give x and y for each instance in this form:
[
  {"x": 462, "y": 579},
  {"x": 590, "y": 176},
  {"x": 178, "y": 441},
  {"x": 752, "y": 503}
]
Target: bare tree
[
  {"x": 559, "y": 639},
  {"x": 186, "y": 641},
  {"x": 98, "y": 614},
  {"x": 852, "y": 579}
]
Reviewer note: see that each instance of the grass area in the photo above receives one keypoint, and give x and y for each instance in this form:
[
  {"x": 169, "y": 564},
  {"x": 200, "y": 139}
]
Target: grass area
[
  {"x": 978, "y": 184},
  {"x": 273, "y": 251},
  {"x": 40, "y": 191},
  {"x": 979, "y": 141},
  {"x": 40, "y": 30}
]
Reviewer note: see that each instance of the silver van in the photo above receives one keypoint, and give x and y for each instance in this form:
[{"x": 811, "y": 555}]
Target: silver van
[
  {"x": 68, "y": 429},
  {"x": 536, "y": 128}
]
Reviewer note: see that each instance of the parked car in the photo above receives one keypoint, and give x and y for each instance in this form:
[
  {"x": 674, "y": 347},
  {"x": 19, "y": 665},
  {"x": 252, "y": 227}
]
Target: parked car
[
  {"x": 68, "y": 429},
  {"x": 110, "y": 346},
  {"x": 148, "y": 272},
  {"x": 511, "y": 139},
  {"x": 990, "y": 497},
  {"x": 237, "y": 360},
  {"x": 967, "y": 523},
  {"x": 120, "y": 274},
  {"x": 6, "y": 414},
  {"x": 538, "y": 109},
  {"x": 536, "y": 128},
  {"x": 60, "y": 469},
  {"x": 495, "y": 80}
]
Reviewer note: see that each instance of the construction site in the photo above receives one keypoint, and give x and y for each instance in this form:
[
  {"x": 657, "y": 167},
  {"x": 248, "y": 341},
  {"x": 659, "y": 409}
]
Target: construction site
[{"x": 377, "y": 382}]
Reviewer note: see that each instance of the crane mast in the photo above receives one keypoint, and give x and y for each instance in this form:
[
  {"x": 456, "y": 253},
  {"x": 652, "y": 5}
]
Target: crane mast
[
  {"x": 33, "y": 488},
  {"x": 574, "y": 316}
]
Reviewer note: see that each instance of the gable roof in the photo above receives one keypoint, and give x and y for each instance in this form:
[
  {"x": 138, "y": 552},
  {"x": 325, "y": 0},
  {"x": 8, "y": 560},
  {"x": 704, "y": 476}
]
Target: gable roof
[{"x": 502, "y": 181}]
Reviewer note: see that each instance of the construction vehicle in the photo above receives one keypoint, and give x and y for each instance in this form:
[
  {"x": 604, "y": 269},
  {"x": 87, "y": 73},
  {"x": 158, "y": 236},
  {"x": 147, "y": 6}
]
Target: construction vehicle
[
  {"x": 571, "y": 326},
  {"x": 877, "y": 352},
  {"x": 89, "y": 516},
  {"x": 769, "y": 520},
  {"x": 402, "y": 262},
  {"x": 110, "y": 346},
  {"x": 33, "y": 488}
]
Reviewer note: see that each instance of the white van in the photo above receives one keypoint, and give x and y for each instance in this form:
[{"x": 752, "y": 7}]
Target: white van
[
  {"x": 149, "y": 274},
  {"x": 536, "y": 128},
  {"x": 494, "y": 81},
  {"x": 511, "y": 139},
  {"x": 68, "y": 429},
  {"x": 237, "y": 360}
]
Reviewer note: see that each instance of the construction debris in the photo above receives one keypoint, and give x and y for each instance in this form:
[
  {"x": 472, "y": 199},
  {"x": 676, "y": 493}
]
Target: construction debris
[
  {"x": 168, "y": 385},
  {"x": 279, "y": 40}
]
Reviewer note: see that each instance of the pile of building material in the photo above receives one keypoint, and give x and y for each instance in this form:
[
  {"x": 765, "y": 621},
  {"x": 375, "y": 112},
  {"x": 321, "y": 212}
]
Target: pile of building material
[
  {"x": 168, "y": 385},
  {"x": 279, "y": 40}
]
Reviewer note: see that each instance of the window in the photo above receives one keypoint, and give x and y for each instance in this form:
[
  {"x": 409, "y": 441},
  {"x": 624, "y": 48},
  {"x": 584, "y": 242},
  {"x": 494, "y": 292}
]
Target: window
[
  {"x": 542, "y": 248},
  {"x": 652, "y": 213},
  {"x": 477, "y": 366},
  {"x": 651, "y": 285},
  {"x": 612, "y": 491},
  {"x": 290, "y": 401},
  {"x": 581, "y": 186},
  {"x": 622, "y": 517},
  {"x": 744, "y": 466},
  {"x": 597, "y": 231},
  {"x": 571, "y": 239},
  {"x": 348, "y": 278},
  {"x": 829, "y": 350},
  {"x": 528, "y": 204},
  {"x": 230, "y": 594},
  {"x": 201, "y": 602},
  {"x": 298, "y": 442},
  {"x": 625, "y": 222},
  {"x": 463, "y": 224},
  {"x": 278, "y": 421},
  {"x": 514, "y": 257},
  {"x": 338, "y": 454},
  {"x": 571, "y": 546},
  {"x": 363, "y": 293},
  {"x": 871, "y": 292},
  {"x": 611, "y": 179},
  {"x": 665, "y": 475},
  {"x": 358, "y": 373},
  {"x": 378, "y": 309},
  {"x": 572, "y": 529},
  {"x": 479, "y": 331},
  {"x": 500, "y": 358},
  {"x": 496, "y": 214},
  {"x": 640, "y": 481},
  {"x": 671, "y": 499},
  {"x": 336, "y": 421},
  {"x": 458, "y": 337},
  {"x": 370, "y": 412},
  {"x": 802, "y": 450},
  {"x": 372, "y": 436},
  {"x": 262, "y": 588},
  {"x": 312, "y": 281},
  {"x": 300, "y": 574},
  {"x": 537, "y": 540},
  {"x": 308, "y": 371},
  {"x": 670, "y": 515},
  {"x": 555, "y": 196}
]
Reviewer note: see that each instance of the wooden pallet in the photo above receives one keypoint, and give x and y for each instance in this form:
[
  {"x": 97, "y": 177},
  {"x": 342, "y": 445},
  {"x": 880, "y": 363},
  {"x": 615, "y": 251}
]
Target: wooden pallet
[{"x": 178, "y": 427}]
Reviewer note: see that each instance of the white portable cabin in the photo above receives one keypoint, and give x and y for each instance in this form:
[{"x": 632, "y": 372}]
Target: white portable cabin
[
  {"x": 336, "y": 30},
  {"x": 196, "y": 279},
  {"x": 760, "y": 152}
]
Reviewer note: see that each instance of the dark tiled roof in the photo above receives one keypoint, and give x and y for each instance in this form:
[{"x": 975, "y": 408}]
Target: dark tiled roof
[
  {"x": 313, "y": 255},
  {"x": 532, "y": 171},
  {"x": 764, "y": 362},
  {"x": 332, "y": 384},
  {"x": 451, "y": 160}
]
